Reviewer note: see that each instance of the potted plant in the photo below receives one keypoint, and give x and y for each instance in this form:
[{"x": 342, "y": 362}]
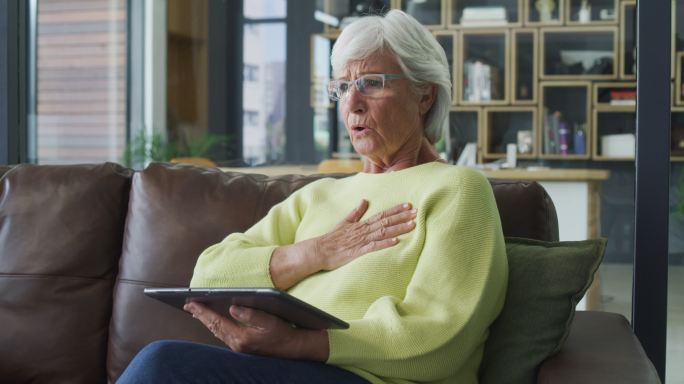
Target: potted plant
[{"x": 143, "y": 149}]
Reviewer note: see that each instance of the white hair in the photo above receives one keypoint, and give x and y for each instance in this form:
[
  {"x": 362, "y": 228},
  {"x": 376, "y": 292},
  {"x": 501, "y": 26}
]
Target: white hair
[{"x": 420, "y": 56}]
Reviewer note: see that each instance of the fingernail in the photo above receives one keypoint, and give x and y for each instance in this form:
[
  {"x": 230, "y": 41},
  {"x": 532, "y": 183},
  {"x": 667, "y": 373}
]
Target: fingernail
[
  {"x": 396, "y": 239},
  {"x": 406, "y": 205},
  {"x": 414, "y": 210},
  {"x": 237, "y": 311}
]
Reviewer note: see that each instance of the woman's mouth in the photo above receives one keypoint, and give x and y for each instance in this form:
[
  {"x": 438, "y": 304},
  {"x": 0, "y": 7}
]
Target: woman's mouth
[{"x": 360, "y": 129}]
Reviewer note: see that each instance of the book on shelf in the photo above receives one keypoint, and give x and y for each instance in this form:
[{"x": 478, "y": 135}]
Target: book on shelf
[
  {"x": 625, "y": 102},
  {"x": 627, "y": 97},
  {"x": 483, "y": 23},
  {"x": 481, "y": 81},
  {"x": 493, "y": 13}
]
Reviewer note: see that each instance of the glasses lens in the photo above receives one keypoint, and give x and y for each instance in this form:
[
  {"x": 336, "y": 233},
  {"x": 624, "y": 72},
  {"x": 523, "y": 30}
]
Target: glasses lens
[
  {"x": 333, "y": 90},
  {"x": 370, "y": 84}
]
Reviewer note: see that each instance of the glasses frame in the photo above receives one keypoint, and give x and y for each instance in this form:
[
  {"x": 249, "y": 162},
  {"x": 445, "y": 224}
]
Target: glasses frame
[{"x": 335, "y": 84}]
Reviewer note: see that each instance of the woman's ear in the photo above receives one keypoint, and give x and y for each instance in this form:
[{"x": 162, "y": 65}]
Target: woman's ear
[{"x": 427, "y": 99}]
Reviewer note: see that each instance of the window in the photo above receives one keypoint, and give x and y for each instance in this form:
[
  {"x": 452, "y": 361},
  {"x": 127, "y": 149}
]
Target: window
[
  {"x": 250, "y": 118},
  {"x": 251, "y": 73},
  {"x": 77, "y": 90},
  {"x": 264, "y": 81}
]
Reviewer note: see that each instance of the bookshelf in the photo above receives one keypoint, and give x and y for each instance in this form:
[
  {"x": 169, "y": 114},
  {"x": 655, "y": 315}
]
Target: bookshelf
[{"x": 545, "y": 62}]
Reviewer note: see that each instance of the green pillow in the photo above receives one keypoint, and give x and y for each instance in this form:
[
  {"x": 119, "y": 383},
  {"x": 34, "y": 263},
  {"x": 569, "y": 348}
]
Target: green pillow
[{"x": 546, "y": 280}]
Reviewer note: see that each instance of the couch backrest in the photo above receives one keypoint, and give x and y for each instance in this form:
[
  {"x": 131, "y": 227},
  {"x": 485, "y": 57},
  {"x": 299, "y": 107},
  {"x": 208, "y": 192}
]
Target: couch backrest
[
  {"x": 176, "y": 212},
  {"x": 60, "y": 240},
  {"x": 68, "y": 232}
]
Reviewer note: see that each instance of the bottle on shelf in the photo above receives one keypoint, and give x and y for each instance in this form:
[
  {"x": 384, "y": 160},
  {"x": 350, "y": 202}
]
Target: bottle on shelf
[{"x": 579, "y": 140}]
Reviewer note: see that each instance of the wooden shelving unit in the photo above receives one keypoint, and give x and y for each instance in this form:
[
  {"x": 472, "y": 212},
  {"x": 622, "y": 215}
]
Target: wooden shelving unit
[{"x": 528, "y": 71}]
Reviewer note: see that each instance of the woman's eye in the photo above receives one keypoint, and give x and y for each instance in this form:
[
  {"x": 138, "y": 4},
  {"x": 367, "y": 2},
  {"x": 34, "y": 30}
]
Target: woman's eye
[
  {"x": 343, "y": 87},
  {"x": 373, "y": 83}
]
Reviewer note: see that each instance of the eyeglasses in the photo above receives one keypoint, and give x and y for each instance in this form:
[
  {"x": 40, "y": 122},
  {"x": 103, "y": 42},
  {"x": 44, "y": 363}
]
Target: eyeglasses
[{"x": 367, "y": 85}]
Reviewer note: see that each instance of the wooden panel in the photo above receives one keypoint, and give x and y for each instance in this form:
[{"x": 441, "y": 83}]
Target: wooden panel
[{"x": 80, "y": 80}]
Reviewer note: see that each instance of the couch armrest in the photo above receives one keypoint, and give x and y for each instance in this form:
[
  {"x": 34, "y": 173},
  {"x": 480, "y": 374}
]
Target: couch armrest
[{"x": 601, "y": 348}]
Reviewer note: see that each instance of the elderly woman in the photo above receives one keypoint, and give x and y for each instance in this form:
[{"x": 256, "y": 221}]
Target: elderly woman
[{"x": 417, "y": 266}]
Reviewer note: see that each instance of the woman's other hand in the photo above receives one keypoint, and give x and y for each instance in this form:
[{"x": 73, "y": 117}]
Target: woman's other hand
[
  {"x": 351, "y": 238},
  {"x": 256, "y": 332}
]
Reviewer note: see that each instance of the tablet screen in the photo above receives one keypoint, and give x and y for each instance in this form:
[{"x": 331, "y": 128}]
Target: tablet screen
[{"x": 271, "y": 300}]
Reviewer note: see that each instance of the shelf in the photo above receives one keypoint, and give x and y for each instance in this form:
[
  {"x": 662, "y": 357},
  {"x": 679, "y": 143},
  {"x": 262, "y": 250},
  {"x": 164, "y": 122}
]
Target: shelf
[
  {"x": 628, "y": 40},
  {"x": 524, "y": 66},
  {"x": 564, "y": 125},
  {"x": 600, "y": 12},
  {"x": 578, "y": 53},
  {"x": 615, "y": 95},
  {"x": 483, "y": 74},
  {"x": 447, "y": 40},
  {"x": 509, "y": 125},
  {"x": 430, "y": 13},
  {"x": 509, "y": 16},
  {"x": 527, "y": 72},
  {"x": 464, "y": 127},
  {"x": 614, "y": 134},
  {"x": 533, "y": 16}
]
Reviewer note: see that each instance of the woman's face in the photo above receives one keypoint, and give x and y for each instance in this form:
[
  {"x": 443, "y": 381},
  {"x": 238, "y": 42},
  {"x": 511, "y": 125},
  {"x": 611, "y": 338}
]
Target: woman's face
[{"x": 386, "y": 127}]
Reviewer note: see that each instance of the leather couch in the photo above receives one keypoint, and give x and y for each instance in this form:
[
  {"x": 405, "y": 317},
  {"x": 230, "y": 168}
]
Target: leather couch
[{"x": 79, "y": 243}]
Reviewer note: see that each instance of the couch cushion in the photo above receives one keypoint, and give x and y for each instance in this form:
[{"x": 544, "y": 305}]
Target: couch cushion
[
  {"x": 60, "y": 240},
  {"x": 546, "y": 281},
  {"x": 174, "y": 214},
  {"x": 526, "y": 210}
]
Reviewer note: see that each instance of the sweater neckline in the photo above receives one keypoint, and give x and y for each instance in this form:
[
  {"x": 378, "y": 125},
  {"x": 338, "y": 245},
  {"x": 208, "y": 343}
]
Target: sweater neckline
[{"x": 404, "y": 171}]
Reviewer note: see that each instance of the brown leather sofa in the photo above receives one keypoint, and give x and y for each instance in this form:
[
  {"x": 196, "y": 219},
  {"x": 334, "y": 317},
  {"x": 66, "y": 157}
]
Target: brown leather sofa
[{"x": 79, "y": 243}]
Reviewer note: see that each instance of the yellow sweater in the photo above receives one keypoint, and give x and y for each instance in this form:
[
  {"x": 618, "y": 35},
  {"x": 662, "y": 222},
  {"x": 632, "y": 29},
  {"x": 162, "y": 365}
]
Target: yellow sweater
[{"x": 418, "y": 311}]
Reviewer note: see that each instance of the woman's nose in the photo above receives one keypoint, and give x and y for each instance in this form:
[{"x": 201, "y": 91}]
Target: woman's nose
[{"x": 355, "y": 101}]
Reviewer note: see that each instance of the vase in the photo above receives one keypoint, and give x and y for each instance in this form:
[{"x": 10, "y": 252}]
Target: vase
[{"x": 545, "y": 9}]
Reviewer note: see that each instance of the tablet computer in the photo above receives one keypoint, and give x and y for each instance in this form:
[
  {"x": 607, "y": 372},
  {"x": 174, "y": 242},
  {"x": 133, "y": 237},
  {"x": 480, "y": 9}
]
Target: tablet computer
[{"x": 271, "y": 300}]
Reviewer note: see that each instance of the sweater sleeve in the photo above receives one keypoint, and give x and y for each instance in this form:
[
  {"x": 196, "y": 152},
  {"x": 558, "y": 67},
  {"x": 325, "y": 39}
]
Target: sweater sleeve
[
  {"x": 243, "y": 259},
  {"x": 456, "y": 291}
]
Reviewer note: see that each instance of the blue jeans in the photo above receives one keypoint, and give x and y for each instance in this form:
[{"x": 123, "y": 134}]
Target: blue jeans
[{"x": 185, "y": 362}]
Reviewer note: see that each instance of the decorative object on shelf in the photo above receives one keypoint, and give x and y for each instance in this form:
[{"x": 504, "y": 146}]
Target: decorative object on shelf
[
  {"x": 511, "y": 156},
  {"x": 618, "y": 145},
  {"x": 545, "y": 9},
  {"x": 588, "y": 59},
  {"x": 584, "y": 14},
  {"x": 468, "y": 156},
  {"x": 524, "y": 141},
  {"x": 607, "y": 14},
  {"x": 365, "y": 8},
  {"x": 484, "y": 16},
  {"x": 551, "y": 132}
]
